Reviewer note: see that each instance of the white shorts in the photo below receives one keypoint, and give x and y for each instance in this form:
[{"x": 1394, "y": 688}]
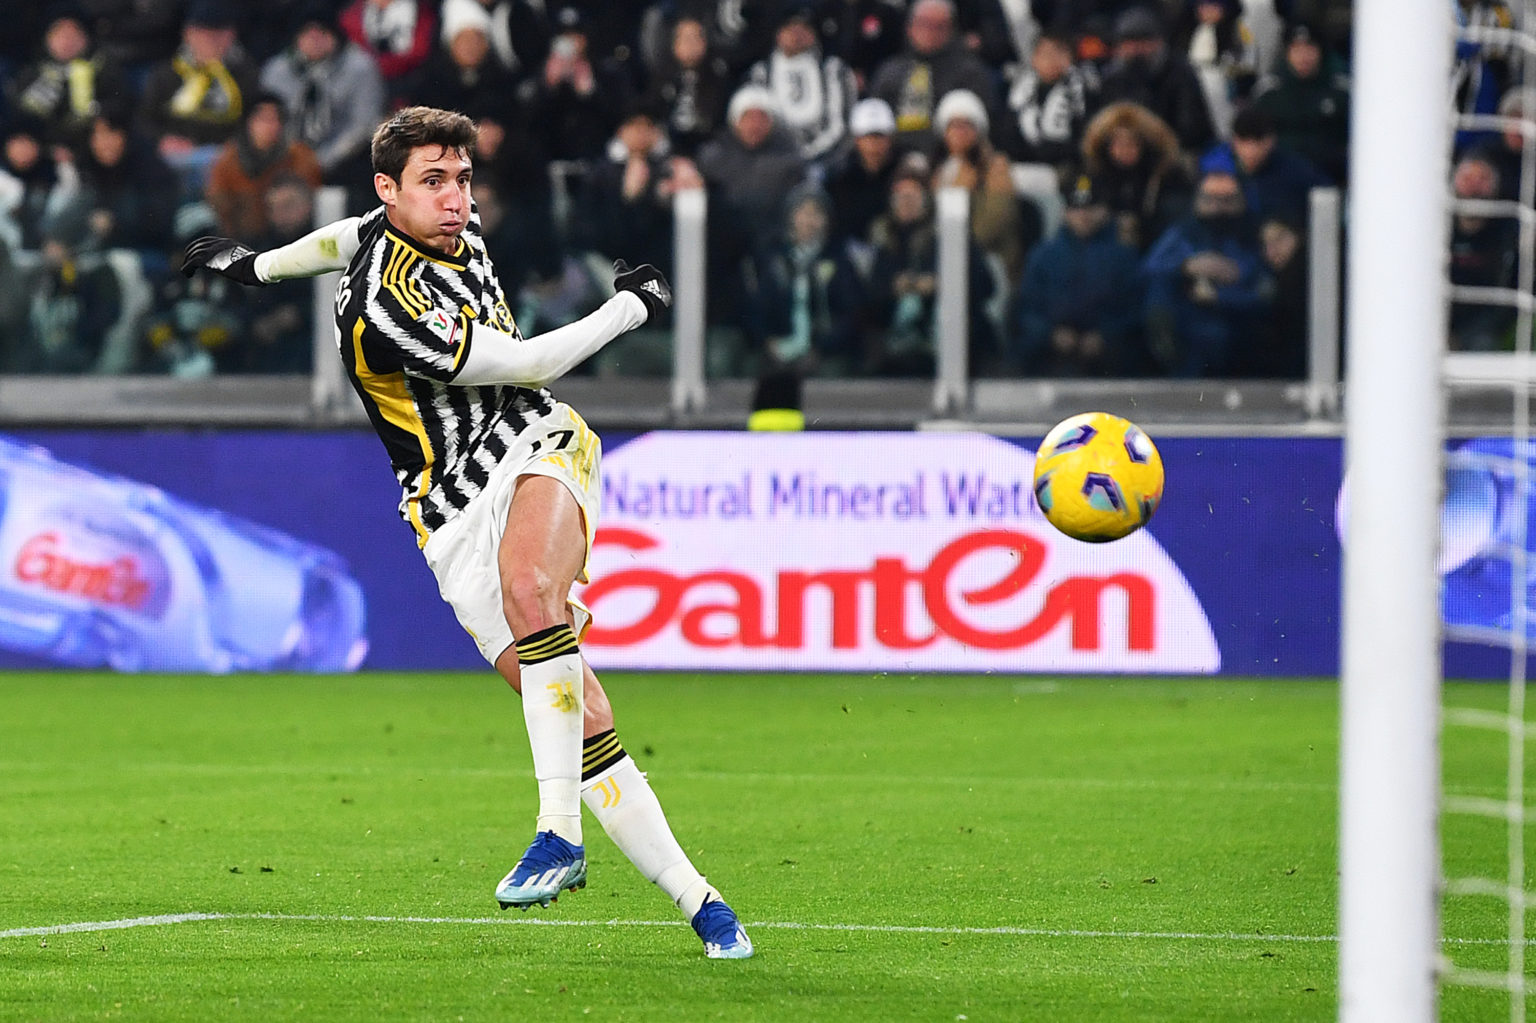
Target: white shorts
[{"x": 462, "y": 554}]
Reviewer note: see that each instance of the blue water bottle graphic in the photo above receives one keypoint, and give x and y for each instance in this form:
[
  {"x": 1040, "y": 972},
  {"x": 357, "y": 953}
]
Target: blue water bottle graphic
[{"x": 98, "y": 570}]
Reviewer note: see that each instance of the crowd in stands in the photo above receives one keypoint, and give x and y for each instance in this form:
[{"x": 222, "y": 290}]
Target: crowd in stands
[{"x": 1138, "y": 171}]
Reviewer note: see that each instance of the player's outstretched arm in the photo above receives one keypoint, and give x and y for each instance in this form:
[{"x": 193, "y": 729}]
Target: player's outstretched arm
[
  {"x": 322, "y": 250},
  {"x": 494, "y": 357}
]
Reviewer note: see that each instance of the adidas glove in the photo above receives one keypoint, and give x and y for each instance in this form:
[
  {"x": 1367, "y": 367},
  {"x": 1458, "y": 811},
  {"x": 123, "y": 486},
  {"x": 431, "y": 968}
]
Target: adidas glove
[
  {"x": 647, "y": 283},
  {"x": 223, "y": 256}
]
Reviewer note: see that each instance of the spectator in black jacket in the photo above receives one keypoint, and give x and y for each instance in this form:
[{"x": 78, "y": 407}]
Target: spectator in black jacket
[
  {"x": 803, "y": 296},
  {"x": 1146, "y": 71},
  {"x": 123, "y": 181},
  {"x": 1133, "y": 156},
  {"x": 691, "y": 87},
  {"x": 1277, "y": 181},
  {"x": 860, "y": 182},
  {"x": 579, "y": 94},
  {"x": 625, "y": 207},
  {"x": 70, "y": 84},
  {"x": 192, "y": 104},
  {"x": 1506, "y": 150},
  {"x": 1484, "y": 254},
  {"x": 1308, "y": 97},
  {"x": 935, "y": 63}
]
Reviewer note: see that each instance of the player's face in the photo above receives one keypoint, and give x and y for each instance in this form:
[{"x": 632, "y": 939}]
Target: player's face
[{"x": 430, "y": 202}]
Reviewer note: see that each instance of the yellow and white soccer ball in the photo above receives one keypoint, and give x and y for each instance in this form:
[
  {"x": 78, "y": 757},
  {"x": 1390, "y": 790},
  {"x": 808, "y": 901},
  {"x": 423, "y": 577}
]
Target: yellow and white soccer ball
[{"x": 1098, "y": 477}]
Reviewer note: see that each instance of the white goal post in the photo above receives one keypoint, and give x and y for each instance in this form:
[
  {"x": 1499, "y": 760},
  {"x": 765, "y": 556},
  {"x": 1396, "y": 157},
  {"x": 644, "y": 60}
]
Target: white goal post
[{"x": 1391, "y": 657}]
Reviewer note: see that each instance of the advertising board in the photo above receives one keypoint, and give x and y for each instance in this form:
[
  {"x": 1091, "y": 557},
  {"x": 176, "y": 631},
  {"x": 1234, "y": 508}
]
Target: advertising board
[{"x": 894, "y": 552}]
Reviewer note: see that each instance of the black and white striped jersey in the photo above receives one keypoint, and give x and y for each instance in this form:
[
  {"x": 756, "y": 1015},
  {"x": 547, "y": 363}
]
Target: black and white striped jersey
[{"x": 405, "y": 317}]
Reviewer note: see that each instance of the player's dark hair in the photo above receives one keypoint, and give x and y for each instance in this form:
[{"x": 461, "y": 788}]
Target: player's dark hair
[{"x": 414, "y": 127}]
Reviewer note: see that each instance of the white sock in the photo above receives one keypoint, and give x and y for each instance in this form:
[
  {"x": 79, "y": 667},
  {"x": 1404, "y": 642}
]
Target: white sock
[
  {"x": 623, "y": 803},
  {"x": 550, "y": 669}
]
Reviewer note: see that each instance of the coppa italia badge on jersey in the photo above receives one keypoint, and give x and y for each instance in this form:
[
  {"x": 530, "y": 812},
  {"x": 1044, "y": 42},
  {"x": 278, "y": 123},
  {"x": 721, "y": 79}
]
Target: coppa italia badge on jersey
[
  {"x": 865, "y": 551},
  {"x": 441, "y": 324}
]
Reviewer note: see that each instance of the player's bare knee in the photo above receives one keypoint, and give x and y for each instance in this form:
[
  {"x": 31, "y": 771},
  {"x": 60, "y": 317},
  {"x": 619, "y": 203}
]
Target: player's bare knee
[{"x": 532, "y": 599}]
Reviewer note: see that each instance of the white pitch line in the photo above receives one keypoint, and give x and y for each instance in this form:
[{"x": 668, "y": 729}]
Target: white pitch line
[{"x": 504, "y": 921}]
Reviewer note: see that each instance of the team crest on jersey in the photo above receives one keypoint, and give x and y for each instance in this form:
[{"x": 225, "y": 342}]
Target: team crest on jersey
[{"x": 439, "y": 323}]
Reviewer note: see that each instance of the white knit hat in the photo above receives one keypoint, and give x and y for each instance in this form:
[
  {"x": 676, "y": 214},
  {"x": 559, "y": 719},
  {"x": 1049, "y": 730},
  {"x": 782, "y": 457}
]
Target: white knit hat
[
  {"x": 459, "y": 15},
  {"x": 961, "y": 103},
  {"x": 751, "y": 97}
]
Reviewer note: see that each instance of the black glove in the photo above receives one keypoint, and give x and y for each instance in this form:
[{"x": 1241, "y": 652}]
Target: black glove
[
  {"x": 646, "y": 282},
  {"x": 223, "y": 256}
]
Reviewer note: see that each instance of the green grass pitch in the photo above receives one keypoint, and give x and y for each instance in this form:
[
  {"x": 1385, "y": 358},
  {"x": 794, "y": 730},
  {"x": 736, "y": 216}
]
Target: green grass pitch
[{"x": 930, "y": 848}]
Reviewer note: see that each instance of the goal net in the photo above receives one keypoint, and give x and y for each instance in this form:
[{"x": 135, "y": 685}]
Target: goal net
[
  {"x": 1487, "y": 502},
  {"x": 1434, "y": 889}
]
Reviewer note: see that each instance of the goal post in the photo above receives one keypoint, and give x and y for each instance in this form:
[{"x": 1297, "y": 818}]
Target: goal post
[{"x": 1391, "y": 654}]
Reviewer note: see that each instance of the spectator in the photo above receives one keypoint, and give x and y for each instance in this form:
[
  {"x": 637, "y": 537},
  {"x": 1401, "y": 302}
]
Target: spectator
[
  {"x": 1080, "y": 299},
  {"x": 123, "y": 179},
  {"x": 1208, "y": 287},
  {"x": 1484, "y": 254},
  {"x": 1215, "y": 37},
  {"x": 970, "y": 162},
  {"x": 1145, "y": 71},
  {"x": 334, "y": 95},
  {"x": 261, "y": 154},
  {"x": 193, "y": 103},
  {"x": 903, "y": 286},
  {"x": 804, "y": 298},
  {"x": 1482, "y": 70},
  {"x": 1000, "y": 32},
  {"x": 1276, "y": 181},
  {"x": 934, "y": 63},
  {"x": 463, "y": 74},
  {"x": 75, "y": 303},
  {"x": 398, "y": 34},
  {"x": 750, "y": 170},
  {"x": 1308, "y": 99},
  {"x": 691, "y": 87},
  {"x": 814, "y": 92},
  {"x": 859, "y": 183},
  {"x": 71, "y": 83},
  {"x": 33, "y": 187},
  {"x": 864, "y": 33},
  {"x": 740, "y": 33},
  {"x": 510, "y": 159},
  {"x": 278, "y": 329},
  {"x": 626, "y": 204},
  {"x": 1133, "y": 155},
  {"x": 136, "y": 34},
  {"x": 268, "y": 28},
  {"x": 579, "y": 94},
  {"x": 1332, "y": 21},
  {"x": 1048, "y": 106},
  {"x": 519, "y": 30},
  {"x": 196, "y": 322},
  {"x": 1505, "y": 151},
  {"x": 1280, "y": 351}
]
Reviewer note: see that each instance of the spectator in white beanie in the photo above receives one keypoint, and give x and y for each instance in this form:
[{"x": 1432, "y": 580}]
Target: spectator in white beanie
[
  {"x": 970, "y": 162},
  {"x": 749, "y": 167}
]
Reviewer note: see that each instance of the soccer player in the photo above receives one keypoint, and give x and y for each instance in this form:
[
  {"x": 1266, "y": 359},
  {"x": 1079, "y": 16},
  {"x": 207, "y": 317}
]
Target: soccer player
[{"x": 500, "y": 481}]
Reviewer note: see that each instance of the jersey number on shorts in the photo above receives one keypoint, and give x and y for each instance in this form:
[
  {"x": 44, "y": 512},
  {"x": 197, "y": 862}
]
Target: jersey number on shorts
[{"x": 565, "y": 440}]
